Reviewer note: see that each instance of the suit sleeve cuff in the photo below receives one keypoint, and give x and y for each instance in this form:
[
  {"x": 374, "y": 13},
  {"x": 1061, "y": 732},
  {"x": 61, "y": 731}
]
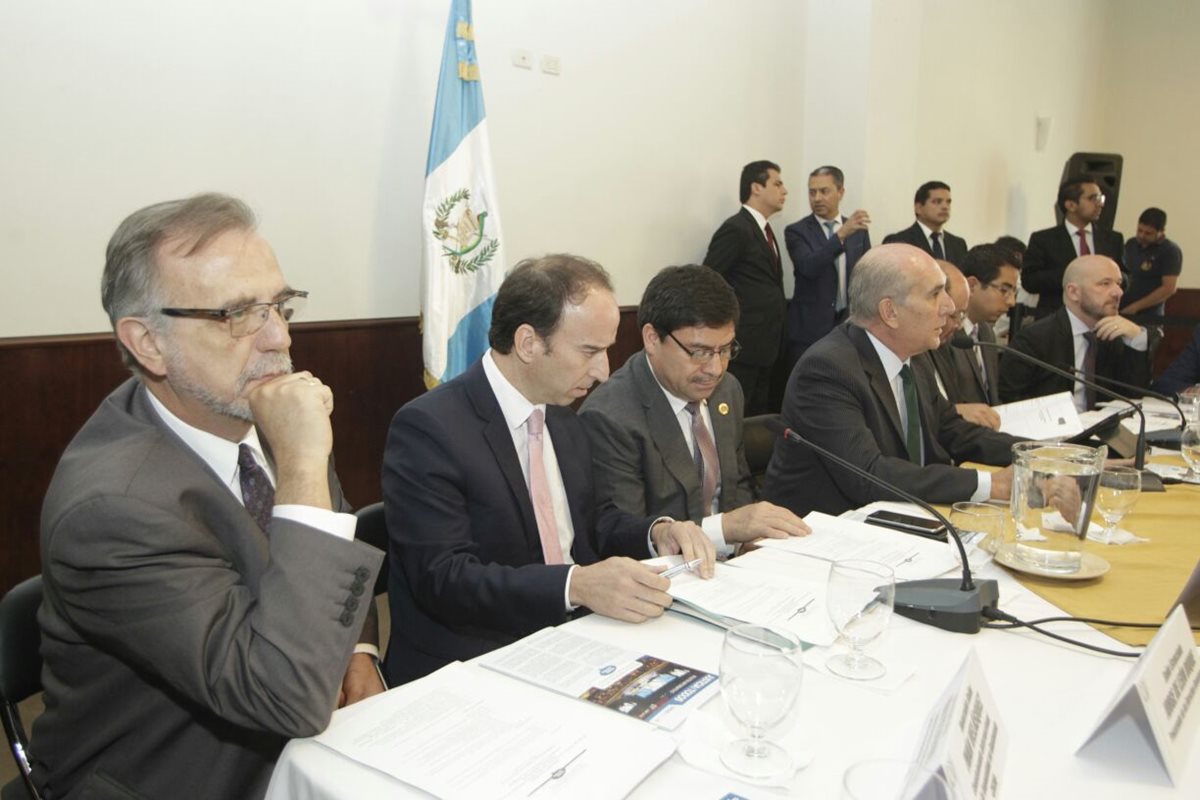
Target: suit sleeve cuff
[
  {"x": 984, "y": 488},
  {"x": 650, "y": 539},
  {"x": 1140, "y": 342},
  {"x": 332, "y": 522}
]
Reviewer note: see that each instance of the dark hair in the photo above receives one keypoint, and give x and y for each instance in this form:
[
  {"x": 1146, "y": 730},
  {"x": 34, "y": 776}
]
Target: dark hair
[
  {"x": 536, "y": 292},
  {"x": 983, "y": 262},
  {"x": 1154, "y": 217},
  {"x": 687, "y": 296},
  {"x": 1073, "y": 190},
  {"x": 839, "y": 180},
  {"x": 1015, "y": 249},
  {"x": 130, "y": 286},
  {"x": 924, "y": 189},
  {"x": 754, "y": 172}
]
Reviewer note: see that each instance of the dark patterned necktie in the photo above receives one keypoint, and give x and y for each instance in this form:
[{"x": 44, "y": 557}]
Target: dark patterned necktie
[
  {"x": 1089, "y": 368},
  {"x": 257, "y": 491}
]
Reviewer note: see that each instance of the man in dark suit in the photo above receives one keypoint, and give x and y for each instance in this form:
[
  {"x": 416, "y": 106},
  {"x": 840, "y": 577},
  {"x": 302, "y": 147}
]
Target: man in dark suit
[
  {"x": 1051, "y": 249},
  {"x": 666, "y": 428},
  {"x": 856, "y": 394},
  {"x": 972, "y": 377},
  {"x": 746, "y": 254},
  {"x": 931, "y": 205},
  {"x": 1086, "y": 334},
  {"x": 954, "y": 368},
  {"x": 487, "y": 485},
  {"x": 1184, "y": 371},
  {"x": 202, "y": 594},
  {"x": 824, "y": 247}
]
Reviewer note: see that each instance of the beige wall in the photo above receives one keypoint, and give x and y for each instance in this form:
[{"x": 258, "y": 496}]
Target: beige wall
[{"x": 319, "y": 115}]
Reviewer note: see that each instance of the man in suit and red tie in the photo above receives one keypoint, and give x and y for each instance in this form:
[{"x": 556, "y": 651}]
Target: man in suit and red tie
[
  {"x": 824, "y": 247},
  {"x": 1051, "y": 249},
  {"x": 931, "y": 206},
  {"x": 745, "y": 252}
]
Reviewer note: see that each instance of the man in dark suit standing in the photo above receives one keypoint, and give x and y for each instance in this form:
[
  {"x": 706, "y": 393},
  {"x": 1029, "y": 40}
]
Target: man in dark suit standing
[
  {"x": 487, "y": 485},
  {"x": 931, "y": 205},
  {"x": 1086, "y": 334},
  {"x": 824, "y": 247},
  {"x": 1051, "y": 249},
  {"x": 746, "y": 254},
  {"x": 203, "y": 592},
  {"x": 666, "y": 428},
  {"x": 860, "y": 394}
]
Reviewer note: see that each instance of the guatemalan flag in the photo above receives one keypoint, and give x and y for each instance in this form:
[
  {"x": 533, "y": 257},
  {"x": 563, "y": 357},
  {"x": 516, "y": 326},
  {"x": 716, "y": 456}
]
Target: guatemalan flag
[{"x": 463, "y": 256}]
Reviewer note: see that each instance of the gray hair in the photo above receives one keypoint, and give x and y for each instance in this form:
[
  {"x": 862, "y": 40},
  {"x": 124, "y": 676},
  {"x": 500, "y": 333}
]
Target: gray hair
[
  {"x": 130, "y": 286},
  {"x": 878, "y": 274}
]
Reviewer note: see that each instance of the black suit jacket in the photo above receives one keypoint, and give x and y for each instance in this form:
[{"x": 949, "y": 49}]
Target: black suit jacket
[
  {"x": 965, "y": 381},
  {"x": 1050, "y": 340},
  {"x": 955, "y": 247},
  {"x": 1049, "y": 252},
  {"x": 812, "y": 312},
  {"x": 740, "y": 253},
  {"x": 839, "y": 397},
  {"x": 467, "y": 573}
]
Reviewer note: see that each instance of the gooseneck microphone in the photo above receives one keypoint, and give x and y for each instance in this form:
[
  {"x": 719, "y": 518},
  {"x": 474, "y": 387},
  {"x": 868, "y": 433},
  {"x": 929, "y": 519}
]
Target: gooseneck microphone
[
  {"x": 964, "y": 342},
  {"x": 946, "y": 603},
  {"x": 1145, "y": 392}
]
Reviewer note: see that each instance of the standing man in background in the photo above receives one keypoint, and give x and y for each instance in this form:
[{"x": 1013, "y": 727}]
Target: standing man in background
[
  {"x": 1052, "y": 249},
  {"x": 931, "y": 205},
  {"x": 745, "y": 252},
  {"x": 1153, "y": 263},
  {"x": 824, "y": 247}
]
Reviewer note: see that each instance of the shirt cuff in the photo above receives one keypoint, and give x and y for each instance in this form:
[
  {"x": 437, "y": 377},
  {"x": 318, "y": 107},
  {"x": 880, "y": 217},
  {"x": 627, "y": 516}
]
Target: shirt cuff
[
  {"x": 368, "y": 648},
  {"x": 567, "y": 590},
  {"x": 1139, "y": 342},
  {"x": 332, "y": 522},
  {"x": 714, "y": 529},
  {"x": 650, "y": 539},
  {"x": 983, "y": 490}
]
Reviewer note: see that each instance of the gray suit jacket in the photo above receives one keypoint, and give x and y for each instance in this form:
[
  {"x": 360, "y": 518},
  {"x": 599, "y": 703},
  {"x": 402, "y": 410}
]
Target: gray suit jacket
[
  {"x": 839, "y": 397},
  {"x": 182, "y": 647},
  {"x": 961, "y": 374},
  {"x": 642, "y": 462}
]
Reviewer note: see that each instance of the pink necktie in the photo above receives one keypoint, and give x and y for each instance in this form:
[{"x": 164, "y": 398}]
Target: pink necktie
[
  {"x": 539, "y": 491},
  {"x": 705, "y": 455}
]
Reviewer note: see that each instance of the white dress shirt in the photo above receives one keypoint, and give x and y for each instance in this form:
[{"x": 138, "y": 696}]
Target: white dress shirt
[
  {"x": 1078, "y": 328},
  {"x": 839, "y": 302},
  {"x": 1087, "y": 232},
  {"x": 762, "y": 226}
]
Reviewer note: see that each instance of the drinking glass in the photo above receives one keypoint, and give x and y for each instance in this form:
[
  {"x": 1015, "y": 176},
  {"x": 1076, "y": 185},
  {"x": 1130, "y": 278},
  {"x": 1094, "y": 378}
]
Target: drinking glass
[
  {"x": 893, "y": 779},
  {"x": 1189, "y": 402},
  {"x": 761, "y": 671},
  {"x": 1189, "y": 446},
  {"x": 981, "y": 523},
  {"x": 860, "y": 598},
  {"x": 1119, "y": 490}
]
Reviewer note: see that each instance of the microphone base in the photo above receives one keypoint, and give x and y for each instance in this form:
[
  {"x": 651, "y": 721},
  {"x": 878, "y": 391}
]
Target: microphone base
[{"x": 943, "y": 603}]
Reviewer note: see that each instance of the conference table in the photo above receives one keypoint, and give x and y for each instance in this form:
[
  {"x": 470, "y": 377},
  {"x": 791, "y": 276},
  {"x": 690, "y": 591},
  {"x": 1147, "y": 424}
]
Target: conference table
[{"x": 1050, "y": 696}]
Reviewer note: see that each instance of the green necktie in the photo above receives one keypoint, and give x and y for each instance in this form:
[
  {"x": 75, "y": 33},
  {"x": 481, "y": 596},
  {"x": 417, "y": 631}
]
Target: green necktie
[{"x": 912, "y": 423}]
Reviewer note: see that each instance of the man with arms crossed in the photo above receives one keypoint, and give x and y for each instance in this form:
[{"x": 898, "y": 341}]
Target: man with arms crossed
[
  {"x": 487, "y": 484},
  {"x": 855, "y": 394},
  {"x": 203, "y": 595},
  {"x": 666, "y": 428},
  {"x": 1086, "y": 334},
  {"x": 824, "y": 247}
]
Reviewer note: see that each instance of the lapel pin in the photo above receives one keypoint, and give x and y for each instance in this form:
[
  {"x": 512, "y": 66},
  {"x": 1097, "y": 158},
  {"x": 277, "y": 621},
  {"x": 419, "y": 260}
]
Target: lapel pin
[{"x": 722, "y": 408}]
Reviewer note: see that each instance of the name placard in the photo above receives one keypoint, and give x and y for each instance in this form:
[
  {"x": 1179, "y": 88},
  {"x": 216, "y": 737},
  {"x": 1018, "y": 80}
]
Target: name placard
[
  {"x": 963, "y": 739},
  {"x": 1155, "y": 713}
]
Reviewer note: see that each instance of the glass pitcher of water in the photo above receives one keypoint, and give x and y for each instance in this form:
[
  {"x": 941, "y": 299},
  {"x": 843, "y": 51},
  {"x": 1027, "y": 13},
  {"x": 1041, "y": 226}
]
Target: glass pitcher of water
[{"x": 1054, "y": 491}]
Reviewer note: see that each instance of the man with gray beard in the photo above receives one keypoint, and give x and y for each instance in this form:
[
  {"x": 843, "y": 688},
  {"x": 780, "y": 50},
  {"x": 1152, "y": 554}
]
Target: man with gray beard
[{"x": 204, "y": 597}]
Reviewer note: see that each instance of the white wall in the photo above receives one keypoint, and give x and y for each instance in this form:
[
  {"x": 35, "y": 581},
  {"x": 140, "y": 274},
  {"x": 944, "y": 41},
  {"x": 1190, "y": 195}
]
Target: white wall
[{"x": 318, "y": 114}]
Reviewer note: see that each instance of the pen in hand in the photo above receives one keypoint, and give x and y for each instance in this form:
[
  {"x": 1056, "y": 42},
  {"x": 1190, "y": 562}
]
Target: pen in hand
[{"x": 687, "y": 566}]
